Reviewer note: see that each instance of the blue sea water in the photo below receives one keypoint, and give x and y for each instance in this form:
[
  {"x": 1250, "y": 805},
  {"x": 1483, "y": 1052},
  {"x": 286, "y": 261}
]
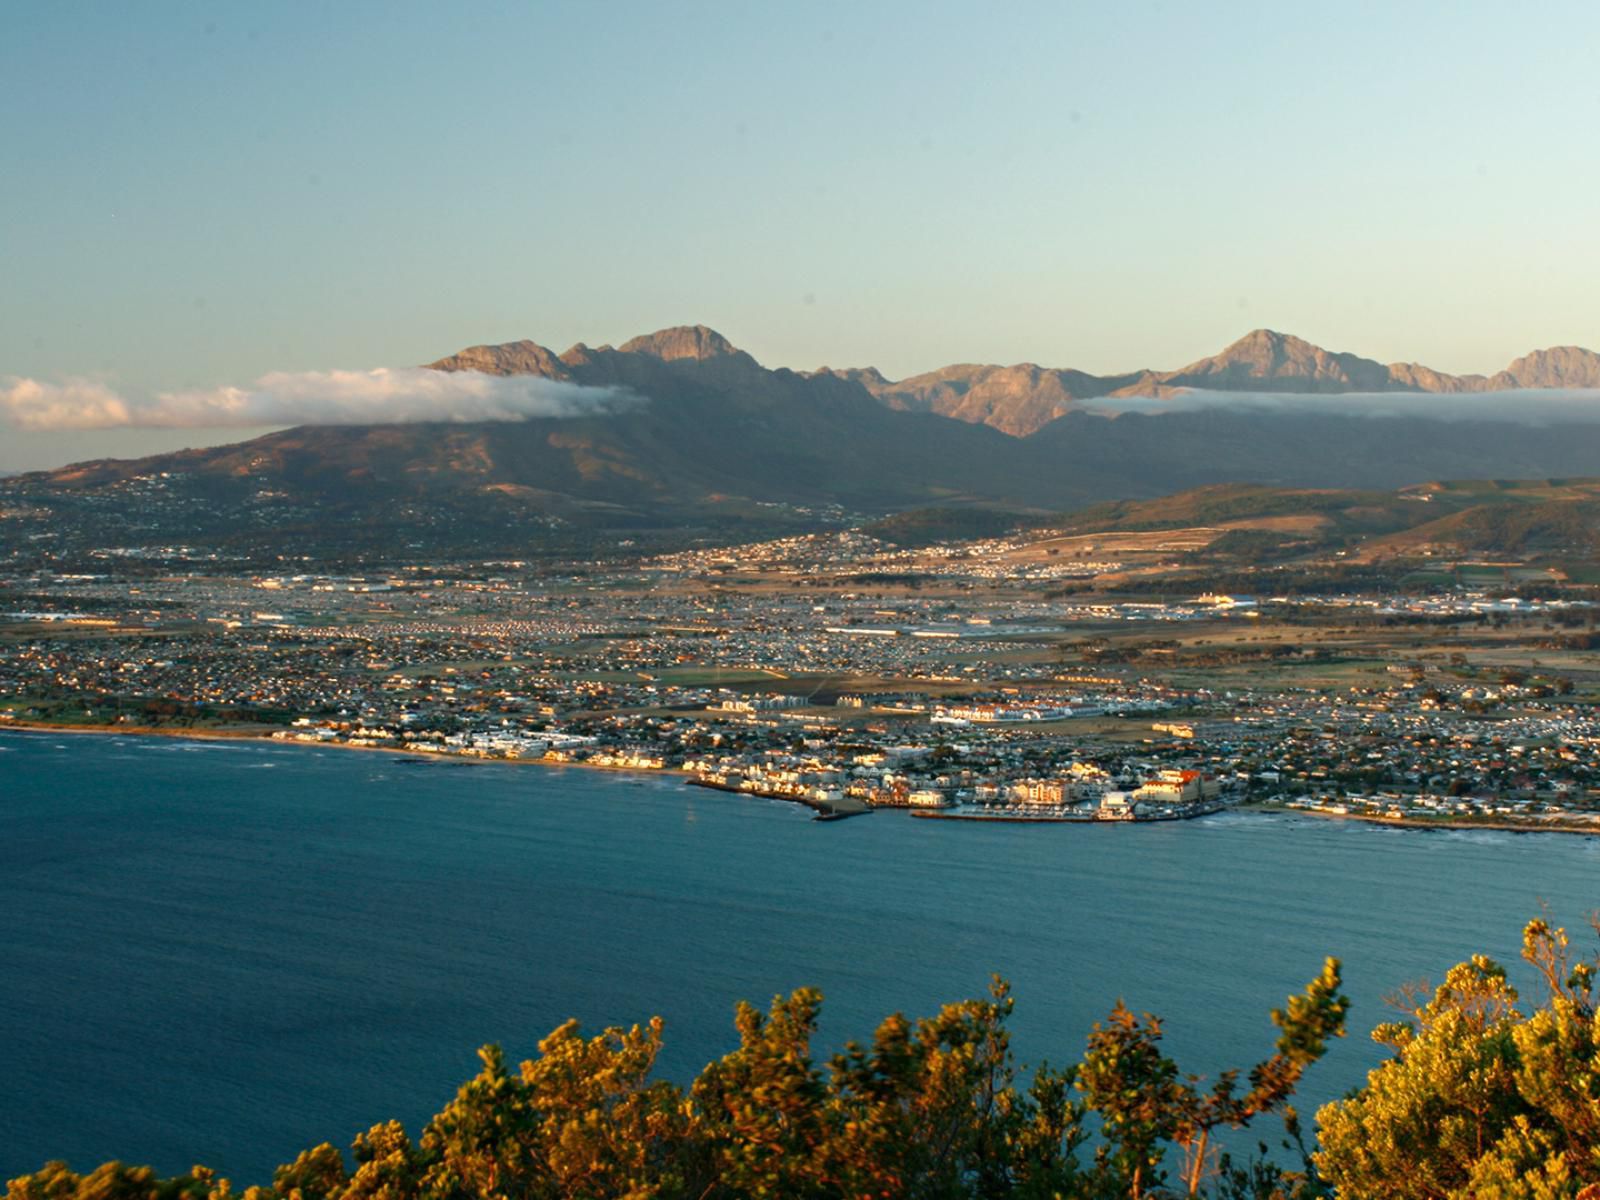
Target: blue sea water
[{"x": 226, "y": 952}]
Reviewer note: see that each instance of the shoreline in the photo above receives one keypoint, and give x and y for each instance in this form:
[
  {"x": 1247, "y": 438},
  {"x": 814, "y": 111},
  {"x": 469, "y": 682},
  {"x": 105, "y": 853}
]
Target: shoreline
[
  {"x": 1005, "y": 819},
  {"x": 1195, "y": 812},
  {"x": 1427, "y": 826},
  {"x": 217, "y": 735},
  {"x": 683, "y": 778},
  {"x": 822, "y": 813}
]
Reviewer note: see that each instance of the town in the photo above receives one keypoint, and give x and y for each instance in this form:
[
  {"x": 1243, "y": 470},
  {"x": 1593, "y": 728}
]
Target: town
[{"x": 848, "y": 675}]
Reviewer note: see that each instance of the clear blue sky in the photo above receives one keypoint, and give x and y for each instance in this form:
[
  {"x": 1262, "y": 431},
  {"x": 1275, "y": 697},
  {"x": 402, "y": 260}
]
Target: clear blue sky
[{"x": 194, "y": 194}]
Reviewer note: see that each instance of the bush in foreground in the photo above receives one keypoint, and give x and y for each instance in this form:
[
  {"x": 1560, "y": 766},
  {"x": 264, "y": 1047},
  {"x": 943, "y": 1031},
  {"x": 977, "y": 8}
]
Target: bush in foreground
[
  {"x": 1481, "y": 1099},
  {"x": 1478, "y": 1100}
]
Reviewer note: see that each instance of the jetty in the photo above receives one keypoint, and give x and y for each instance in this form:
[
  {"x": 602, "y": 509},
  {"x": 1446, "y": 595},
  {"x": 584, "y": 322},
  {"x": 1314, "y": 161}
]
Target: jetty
[
  {"x": 832, "y": 806},
  {"x": 1017, "y": 815}
]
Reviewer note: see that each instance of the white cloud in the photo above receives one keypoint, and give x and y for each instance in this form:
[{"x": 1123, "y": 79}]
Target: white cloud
[
  {"x": 385, "y": 395},
  {"x": 76, "y": 404},
  {"x": 1529, "y": 406}
]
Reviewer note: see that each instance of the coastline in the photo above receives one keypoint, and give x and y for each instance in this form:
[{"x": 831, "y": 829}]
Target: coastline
[
  {"x": 219, "y": 735},
  {"x": 1005, "y": 818},
  {"x": 198, "y": 735},
  {"x": 1427, "y": 826}
]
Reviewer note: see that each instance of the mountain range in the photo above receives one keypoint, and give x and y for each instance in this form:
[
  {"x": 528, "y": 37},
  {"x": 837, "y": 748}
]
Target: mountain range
[
  {"x": 1023, "y": 398},
  {"x": 721, "y": 440}
]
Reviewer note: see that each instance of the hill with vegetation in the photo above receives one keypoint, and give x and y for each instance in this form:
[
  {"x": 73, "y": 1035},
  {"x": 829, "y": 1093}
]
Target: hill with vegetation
[
  {"x": 926, "y": 526},
  {"x": 1555, "y": 520},
  {"x": 1483, "y": 1096},
  {"x": 711, "y": 442},
  {"x": 1546, "y": 520},
  {"x": 1223, "y": 504}
]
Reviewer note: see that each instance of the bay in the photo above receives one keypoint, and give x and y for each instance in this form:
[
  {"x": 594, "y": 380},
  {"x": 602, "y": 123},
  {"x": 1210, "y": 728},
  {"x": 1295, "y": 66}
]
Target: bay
[{"x": 226, "y": 952}]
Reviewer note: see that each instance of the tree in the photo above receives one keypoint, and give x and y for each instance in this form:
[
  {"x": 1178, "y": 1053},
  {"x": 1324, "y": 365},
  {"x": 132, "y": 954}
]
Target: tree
[
  {"x": 1479, "y": 1099},
  {"x": 111, "y": 1181},
  {"x": 581, "y": 1120},
  {"x": 762, "y": 1107},
  {"x": 1144, "y": 1102},
  {"x": 388, "y": 1166},
  {"x": 316, "y": 1175},
  {"x": 930, "y": 1110}
]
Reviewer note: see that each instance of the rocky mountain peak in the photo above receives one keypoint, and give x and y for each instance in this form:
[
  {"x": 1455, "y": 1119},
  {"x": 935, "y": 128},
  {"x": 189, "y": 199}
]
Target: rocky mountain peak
[
  {"x": 1265, "y": 357},
  {"x": 1268, "y": 340},
  {"x": 1272, "y": 351},
  {"x": 1555, "y": 367},
  {"x": 508, "y": 358},
  {"x": 681, "y": 341}
]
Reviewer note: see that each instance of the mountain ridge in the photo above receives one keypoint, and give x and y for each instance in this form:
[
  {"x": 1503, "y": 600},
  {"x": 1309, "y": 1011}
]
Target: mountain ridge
[
  {"x": 1022, "y": 398},
  {"x": 718, "y": 440}
]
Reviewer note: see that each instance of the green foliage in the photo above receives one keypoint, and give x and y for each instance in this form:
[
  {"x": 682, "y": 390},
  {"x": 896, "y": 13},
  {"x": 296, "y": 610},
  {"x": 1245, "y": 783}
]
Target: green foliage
[
  {"x": 925, "y": 526},
  {"x": 931, "y": 1109},
  {"x": 114, "y": 1181},
  {"x": 1253, "y": 547},
  {"x": 1216, "y": 504},
  {"x": 1566, "y": 526},
  {"x": 1480, "y": 1099},
  {"x": 1144, "y": 1103}
]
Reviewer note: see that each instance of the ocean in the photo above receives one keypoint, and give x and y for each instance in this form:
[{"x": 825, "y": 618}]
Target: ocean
[{"x": 226, "y": 952}]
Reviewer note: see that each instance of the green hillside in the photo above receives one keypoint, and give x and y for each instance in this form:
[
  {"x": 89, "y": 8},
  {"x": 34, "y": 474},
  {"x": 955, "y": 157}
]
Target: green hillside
[{"x": 1549, "y": 519}]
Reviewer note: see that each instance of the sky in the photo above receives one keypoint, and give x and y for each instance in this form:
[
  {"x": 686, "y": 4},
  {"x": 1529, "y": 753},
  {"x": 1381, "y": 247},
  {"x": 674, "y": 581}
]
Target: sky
[{"x": 198, "y": 195}]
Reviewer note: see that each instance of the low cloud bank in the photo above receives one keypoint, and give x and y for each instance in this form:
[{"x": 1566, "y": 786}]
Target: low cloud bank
[
  {"x": 1528, "y": 406},
  {"x": 386, "y": 395}
]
